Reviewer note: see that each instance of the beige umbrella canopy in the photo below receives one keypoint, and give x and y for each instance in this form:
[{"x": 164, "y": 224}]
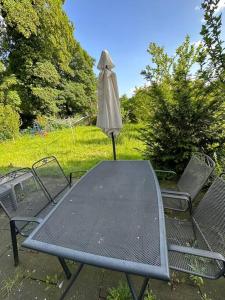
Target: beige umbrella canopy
[{"x": 109, "y": 116}]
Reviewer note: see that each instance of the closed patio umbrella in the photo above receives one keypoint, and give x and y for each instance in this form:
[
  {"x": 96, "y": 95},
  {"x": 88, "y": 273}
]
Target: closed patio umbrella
[{"x": 109, "y": 117}]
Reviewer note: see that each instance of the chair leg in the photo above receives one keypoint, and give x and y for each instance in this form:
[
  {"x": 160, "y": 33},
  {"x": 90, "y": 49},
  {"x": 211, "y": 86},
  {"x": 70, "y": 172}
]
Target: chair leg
[{"x": 14, "y": 242}]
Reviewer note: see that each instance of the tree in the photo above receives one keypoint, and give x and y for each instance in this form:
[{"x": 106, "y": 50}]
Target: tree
[
  {"x": 9, "y": 122},
  {"x": 212, "y": 41},
  {"x": 185, "y": 115},
  {"x": 127, "y": 109},
  {"x": 39, "y": 50},
  {"x": 9, "y": 86},
  {"x": 142, "y": 104}
]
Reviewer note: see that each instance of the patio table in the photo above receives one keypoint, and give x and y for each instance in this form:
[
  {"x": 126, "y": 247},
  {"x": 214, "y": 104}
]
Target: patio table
[{"x": 111, "y": 218}]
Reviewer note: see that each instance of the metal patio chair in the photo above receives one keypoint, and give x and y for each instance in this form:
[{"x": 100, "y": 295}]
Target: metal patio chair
[
  {"x": 25, "y": 205},
  {"x": 12, "y": 180},
  {"x": 195, "y": 175},
  {"x": 197, "y": 245},
  {"x": 52, "y": 177}
]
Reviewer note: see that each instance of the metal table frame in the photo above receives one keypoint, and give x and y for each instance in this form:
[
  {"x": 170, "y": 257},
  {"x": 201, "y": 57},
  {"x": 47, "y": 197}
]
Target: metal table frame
[{"x": 127, "y": 267}]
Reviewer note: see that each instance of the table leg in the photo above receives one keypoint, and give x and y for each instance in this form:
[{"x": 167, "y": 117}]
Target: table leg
[
  {"x": 65, "y": 267},
  {"x": 14, "y": 242},
  {"x": 133, "y": 292},
  {"x": 72, "y": 281}
]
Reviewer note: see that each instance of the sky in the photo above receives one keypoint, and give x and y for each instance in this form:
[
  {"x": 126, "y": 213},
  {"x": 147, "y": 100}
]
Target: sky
[{"x": 126, "y": 28}]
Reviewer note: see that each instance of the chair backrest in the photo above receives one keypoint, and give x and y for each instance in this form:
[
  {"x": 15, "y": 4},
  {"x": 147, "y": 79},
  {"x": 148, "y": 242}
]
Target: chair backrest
[
  {"x": 196, "y": 173},
  {"x": 51, "y": 176},
  {"x": 21, "y": 194},
  {"x": 210, "y": 216}
]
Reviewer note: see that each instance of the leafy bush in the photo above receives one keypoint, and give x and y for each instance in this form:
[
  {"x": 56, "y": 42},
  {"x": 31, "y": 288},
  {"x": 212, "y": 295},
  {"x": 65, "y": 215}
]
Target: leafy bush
[
  {"x": 9, "y": 122},
  {"x": 122, "y": 292},
  {"x": 150, "y": 296},
  {"x": 187, "y": 114},
  {"x": 138, "y": 107},
  {"x": 127, "y": 110}
]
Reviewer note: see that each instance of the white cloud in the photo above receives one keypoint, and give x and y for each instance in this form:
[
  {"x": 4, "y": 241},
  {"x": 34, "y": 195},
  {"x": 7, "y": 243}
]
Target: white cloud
[
  {"x": 197, "y": 43},
  {"x": 197, "y": 7},
  {"x": 221, "y": 6},
  {"x": 202, "y": 20},
  {"x": 131, "y": 91}
]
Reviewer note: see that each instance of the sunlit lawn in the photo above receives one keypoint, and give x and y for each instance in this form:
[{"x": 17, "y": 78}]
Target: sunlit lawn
[{"x": 76, "y": 148}]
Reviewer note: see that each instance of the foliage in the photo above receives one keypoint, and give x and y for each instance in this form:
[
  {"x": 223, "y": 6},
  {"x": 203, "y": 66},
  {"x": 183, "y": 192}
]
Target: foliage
[
  {"x": 122, "y": 292},
  {"x": 74, "y": 98},
  {"x": 186, "y": 117},
  {"x": 199, "y": 283},
  {"x": 52, "y": 73},
  {"x": 9, "y": 122},
  {"x": 212, "y": 58},
  {"x": 213, "y": 44},
  {"x": 138, "y": 107},
  {"x": 197, "y": 280},
  {"x": 150, "y": 296},
  {"x": 127, "y": 109},
  {"x": 9, "y": 88},
  {"x": 142, "y": 104}
]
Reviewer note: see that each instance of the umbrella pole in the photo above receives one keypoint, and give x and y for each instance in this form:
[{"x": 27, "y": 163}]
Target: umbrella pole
[{"x": 114, "y": 146}]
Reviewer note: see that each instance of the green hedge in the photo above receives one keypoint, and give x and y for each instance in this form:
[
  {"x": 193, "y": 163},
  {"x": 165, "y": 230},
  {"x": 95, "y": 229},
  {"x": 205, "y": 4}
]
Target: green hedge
[{"x": 9, "y": 123}]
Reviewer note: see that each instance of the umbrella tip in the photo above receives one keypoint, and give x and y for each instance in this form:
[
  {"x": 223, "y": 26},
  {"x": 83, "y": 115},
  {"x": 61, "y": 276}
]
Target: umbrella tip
[{"x": 105, "y": 61}]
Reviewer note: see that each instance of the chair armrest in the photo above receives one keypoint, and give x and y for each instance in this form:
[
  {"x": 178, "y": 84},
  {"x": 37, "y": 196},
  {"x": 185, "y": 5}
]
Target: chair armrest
[
  {"x": 166, "y": 173},
  {"x": 180, "y": 197},
  {"x": 196, "y": 252},
  {"x": 201, "y": 253},
  {"x": 27, "y": 219},
  {"x": 176, "y": 193}
]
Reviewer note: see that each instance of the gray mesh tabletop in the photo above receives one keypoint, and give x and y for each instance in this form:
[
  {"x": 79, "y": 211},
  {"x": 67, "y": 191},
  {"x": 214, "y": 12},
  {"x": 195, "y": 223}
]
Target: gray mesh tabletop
[{"x": 112, "y": 218}]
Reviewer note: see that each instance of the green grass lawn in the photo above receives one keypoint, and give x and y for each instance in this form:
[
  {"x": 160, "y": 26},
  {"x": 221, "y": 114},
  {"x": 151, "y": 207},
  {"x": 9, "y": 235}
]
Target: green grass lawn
[{"x": 76, "y": 148}]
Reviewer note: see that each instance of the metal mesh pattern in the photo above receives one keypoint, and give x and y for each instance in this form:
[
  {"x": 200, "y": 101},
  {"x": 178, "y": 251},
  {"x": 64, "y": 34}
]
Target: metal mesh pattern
[
  {"x": 185, "y": 233},
  {"x": 178, "y": 204},
  {"x": 194, "y": 176},
  {"x": 51, "y": 176},
  {"x": 111, "y": 212},
  {"x": 207, "y": 232},
  {"x": 28, "y": 200},
  {"x": 210, "y": 215}
]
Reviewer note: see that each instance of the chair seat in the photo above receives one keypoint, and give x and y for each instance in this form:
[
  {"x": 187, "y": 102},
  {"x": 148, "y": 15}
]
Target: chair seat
[
  {"x": 186, "y": 233},
  {"x": 179, "y": 232}
]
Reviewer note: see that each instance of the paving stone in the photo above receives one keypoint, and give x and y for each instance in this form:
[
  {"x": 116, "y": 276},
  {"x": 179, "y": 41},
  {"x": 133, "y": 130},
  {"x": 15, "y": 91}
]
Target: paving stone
[
  {"x": 5, "y": 241},
  {"x": 28, "y": 289},
  {"x": 4, "y": 222},
  {"x": 163, "y": 291},
  {"x": 215, "y": 289}
]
